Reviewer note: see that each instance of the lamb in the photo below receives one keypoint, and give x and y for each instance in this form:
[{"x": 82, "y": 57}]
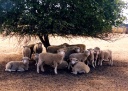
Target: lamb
[
  {"x": 105, "y": 55},
  {"x": 18, "y": 65},
  {"x": 79, "y": 67},
  {"x": 80, "y": 56},
  {"x": 53, "y": 59},
  {"x": 90, "y": 59},
  {"x": 26, "y": 51},
  {"x": 31, "y": 46}
]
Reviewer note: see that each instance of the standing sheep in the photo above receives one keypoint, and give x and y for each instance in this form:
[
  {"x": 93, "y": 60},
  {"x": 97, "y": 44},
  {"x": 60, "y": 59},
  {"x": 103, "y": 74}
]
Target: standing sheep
[
  {"x": 31, "y": 47},
  {"x": 50, "y": 59},
  {"x": 80, "y": 56},
  {"x": 70, "y": 50},
  {"x": 38, "y": 48},
  {"x": 90, "y": 59},
  {"x": 18, "y": 65},
  {"x": 96, "y": 54},
  {"x": 79, "y": 67},
  {"x": 26, "y": 51},
  {"x": 81, "y": 46},
  {"x": 105, "y": 55}
]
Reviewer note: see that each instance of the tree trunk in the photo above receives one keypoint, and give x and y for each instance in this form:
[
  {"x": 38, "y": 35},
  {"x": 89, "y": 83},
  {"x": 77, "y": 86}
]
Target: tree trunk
[{"x": 45, "y": 40}]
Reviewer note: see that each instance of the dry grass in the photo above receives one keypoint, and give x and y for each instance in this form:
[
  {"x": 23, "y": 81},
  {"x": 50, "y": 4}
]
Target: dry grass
[{"x": 112, "y": 78}]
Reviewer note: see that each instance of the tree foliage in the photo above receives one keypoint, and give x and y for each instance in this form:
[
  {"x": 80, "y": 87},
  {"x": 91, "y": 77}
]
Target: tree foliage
[{"x": 60, "y": 17}]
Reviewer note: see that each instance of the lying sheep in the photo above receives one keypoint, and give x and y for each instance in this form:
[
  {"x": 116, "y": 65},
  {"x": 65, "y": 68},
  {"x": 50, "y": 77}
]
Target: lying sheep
[
  {"x": 18, "y": 65},
  {"x": 50, "y": 59},
  {"x": 38, "y": 48},
  {"x": 105, "y": 55},
  {"x": 81, "y": 46},
  {"x": 90, "y": 59},
  {"x": 79, "y": 67},
  {"x": 26, "y": 51},
  {"x": 96, "y": 54},
  {"x": 54, "y": 48},
  {"x": 80, "y": 56}
]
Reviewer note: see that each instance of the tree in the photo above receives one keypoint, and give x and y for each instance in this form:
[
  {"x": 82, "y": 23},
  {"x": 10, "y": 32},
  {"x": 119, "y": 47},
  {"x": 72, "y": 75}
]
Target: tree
[{"x": 59, "y": 17}]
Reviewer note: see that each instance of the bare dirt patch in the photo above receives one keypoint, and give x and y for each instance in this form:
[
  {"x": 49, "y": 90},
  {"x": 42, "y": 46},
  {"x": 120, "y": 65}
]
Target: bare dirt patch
[{"x": 105, "y": 78}]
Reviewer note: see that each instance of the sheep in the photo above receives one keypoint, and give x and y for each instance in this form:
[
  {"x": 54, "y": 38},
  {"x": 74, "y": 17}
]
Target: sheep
[
  {"x": 105, "y": 55},
  {"x": 90, "y": 59},
  {"x": 79, "y": 67},
  {"x": 80, "y": 56},
  {"x": 70, "y": 50},
  {"x": 31, "y": 47},
  {"x": 53, "y": 59},
  {"x": 18, "y": 65},
  {"x": 81, "y": 46},
  {"x": 54, "y": 48},
  {"x": 96, "y": 54},
  {"x": 38, "y": 48},
  {"x": 26, "y": 51}
]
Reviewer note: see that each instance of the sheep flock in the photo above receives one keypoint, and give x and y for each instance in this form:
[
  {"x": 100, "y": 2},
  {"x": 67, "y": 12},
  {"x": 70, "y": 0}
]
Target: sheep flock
[{"x": 75, "y": 58}]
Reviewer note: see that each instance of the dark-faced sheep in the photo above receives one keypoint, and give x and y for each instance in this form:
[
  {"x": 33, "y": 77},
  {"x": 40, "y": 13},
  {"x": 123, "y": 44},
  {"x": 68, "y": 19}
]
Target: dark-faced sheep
[
  {"x": 53, "y": 59},
  {"x": 18, "y": 65}
]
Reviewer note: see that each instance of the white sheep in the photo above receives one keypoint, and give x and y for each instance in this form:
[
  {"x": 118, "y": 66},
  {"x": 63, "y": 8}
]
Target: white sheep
[
  {"x": 78, "y": 67},
  {"x": 53, "y": 59},
  {"x": 26, "y": 51},
  {"x": 105, "y": 55},
  {"x": 96, "y": 54},
  {"x": 18, "y": 65},
  {"x": 80, "y": 56},
  {"x": 90, "y": 59}
]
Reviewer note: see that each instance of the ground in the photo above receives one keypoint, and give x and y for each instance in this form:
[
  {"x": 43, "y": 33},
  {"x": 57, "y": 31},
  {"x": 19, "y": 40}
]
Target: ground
[{"x": 104, "y": 78}]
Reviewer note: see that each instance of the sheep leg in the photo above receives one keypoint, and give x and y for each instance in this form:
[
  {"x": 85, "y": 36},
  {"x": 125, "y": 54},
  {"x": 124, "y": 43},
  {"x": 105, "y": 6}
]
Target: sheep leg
[
  {"x": 55, "y": 67},
  {"x": 9, "y": 70},
  {"x": 38, "y": 66},
  {"x": 74, "y": 71},
  {"x": 93, "y": 64},
  {"x": 20, "y": 69},
  {"x": 42, "y": 68}
]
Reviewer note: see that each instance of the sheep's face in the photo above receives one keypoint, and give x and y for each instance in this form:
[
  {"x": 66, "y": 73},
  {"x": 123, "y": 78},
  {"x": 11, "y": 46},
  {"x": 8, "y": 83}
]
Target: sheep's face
[
  {"x": 25, "y": 60},
  {"x": 36, "y": 56},
  {"x": 87, "y": 53},
  {"x": 73, "y": 60},
  {"x": 77, "y": 49},
  {"x": 61, "y": 51}
]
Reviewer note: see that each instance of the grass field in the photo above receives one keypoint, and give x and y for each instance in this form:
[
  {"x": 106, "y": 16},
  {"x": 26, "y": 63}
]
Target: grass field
[{"x": 105, "y": 78}]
